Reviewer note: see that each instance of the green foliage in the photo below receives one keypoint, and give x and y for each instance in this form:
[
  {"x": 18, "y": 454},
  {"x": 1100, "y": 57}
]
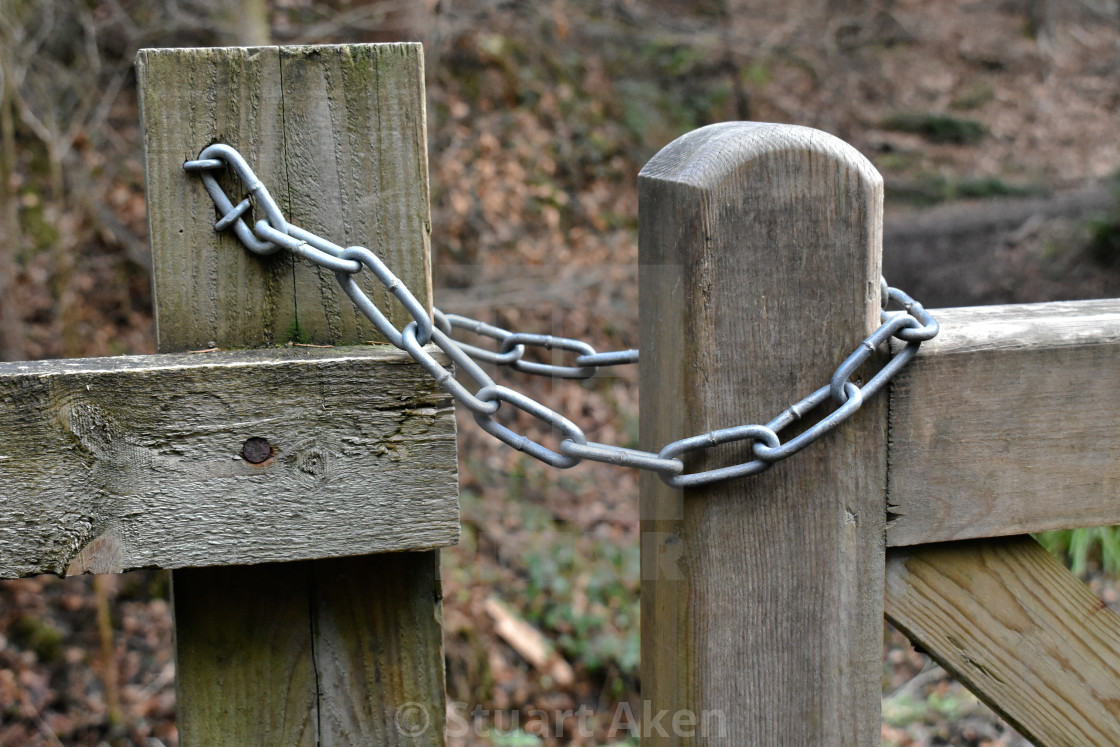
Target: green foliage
[
  {"x": 144, "y": 585},
  {"x": 1078, "y": 547},
  {"x": 757, "y": 75},
  {"x": 1104, "y": 235},
  {"x": 974, "y": 97},
  {"x": 585, "y": 594},
  {"x": 295, "y": 333},
  {"x": 579, "y": 589},
  {"x": 936, "y": 128},
  {"x": 1104, "y": 240},
  {"x": 930, "y": 189},
  {"x": 513, "y": 738},
  {"x": 38, "y": 222},
  {"x": 989, "y": 186},
  {"x": 658, "y": 109},
  {"x": 665, "y": 87},
  {"x": 37, "y": 635},
  {"x": 898, "y": 161},
  {"x": 904, "y": 709}
]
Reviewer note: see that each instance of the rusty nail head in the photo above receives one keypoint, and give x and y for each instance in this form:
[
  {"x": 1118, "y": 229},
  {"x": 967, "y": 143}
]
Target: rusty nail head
[{"x": 256, "y": 450}]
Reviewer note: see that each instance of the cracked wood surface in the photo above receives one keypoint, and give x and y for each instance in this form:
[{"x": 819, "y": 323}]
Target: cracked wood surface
[{"x": 110, "y": 464}]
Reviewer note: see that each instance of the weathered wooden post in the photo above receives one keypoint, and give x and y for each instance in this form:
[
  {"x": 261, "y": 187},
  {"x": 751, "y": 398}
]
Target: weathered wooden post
[
  {"x": 341, "y": 647},
  {"x": 762, "y": 597}
]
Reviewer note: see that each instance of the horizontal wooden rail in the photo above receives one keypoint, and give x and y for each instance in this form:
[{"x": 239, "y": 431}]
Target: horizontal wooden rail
[
  {"x": 1008, "y": 422},
  {"x": 109, "y": 464}
]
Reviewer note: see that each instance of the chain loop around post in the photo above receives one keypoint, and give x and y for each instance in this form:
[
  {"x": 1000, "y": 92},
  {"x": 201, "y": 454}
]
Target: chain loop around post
[
  {"x": 928, "y": 326},
  {"x": 798, "y": 411},
  {"x": 863, "y": 352},
  {"x": 912, "y": 325}
]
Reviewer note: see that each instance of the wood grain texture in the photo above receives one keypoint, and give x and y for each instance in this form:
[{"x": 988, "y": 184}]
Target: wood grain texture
[
  {"x": 377, "y": 653},
  {"x": 338, "y": 136},
  {"x": 345, "y": 154},
  {"x": 245, "y": 670},
  {"x": 1011, "y": 623},
  {"x": 761, "y": 597},
  {"x": 357, "y": 159},
  {"x": 1006, "y": 423},
  {"x": 134, "y": 462},
  {"x": 329, "y": 652},
  {"x": 208, "y": 290}
]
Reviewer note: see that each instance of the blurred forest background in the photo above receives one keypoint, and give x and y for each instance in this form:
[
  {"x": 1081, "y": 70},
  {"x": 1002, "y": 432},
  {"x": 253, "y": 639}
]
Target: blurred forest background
[{"x": 994, "y": 124}]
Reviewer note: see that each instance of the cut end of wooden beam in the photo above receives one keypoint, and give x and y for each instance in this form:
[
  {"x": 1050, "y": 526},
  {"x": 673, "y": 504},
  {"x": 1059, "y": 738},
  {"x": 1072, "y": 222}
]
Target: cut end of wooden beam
[{"x": 102, "y": 554}]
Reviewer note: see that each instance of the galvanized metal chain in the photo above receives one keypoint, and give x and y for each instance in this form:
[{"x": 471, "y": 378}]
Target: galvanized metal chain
[{"x": 911, "y": 323}]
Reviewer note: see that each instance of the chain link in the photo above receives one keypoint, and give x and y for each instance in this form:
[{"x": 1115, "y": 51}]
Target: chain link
[{"x": 912, "y": 324}]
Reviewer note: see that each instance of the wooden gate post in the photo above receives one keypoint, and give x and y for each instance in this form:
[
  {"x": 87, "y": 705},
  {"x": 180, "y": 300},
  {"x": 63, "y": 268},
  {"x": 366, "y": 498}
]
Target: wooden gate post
[
  {"x": 344, "y": 650},
  {"x": 762, "y": 597}
]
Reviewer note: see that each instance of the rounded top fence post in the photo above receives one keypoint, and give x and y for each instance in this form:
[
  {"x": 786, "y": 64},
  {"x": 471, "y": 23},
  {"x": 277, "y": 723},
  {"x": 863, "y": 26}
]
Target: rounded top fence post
[{"x": 760, "y": 254}]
